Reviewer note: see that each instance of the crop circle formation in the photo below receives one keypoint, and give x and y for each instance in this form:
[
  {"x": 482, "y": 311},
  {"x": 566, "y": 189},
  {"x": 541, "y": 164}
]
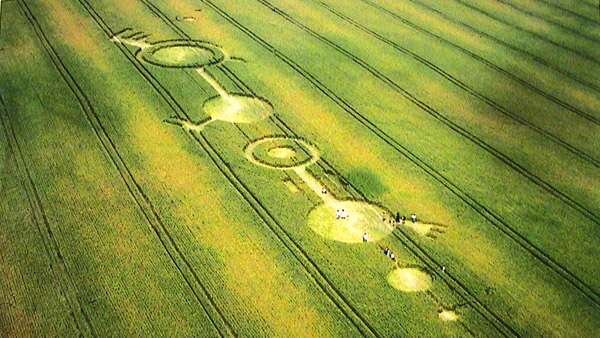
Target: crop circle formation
[
  {"x": 280, "y": 152},
  {"x": 182, "y": 54}
]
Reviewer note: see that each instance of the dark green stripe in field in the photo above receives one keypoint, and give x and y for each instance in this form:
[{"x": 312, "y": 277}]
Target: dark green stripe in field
[
  {"x": 423, "y": 135},
  {"x": 480, "y": 117},
  {"x": 469, "y": 38},
  {"x": 106, "y": 253},
  {"x": 431, "y": 109},
  {"x": 26, "y": 277},
  {"x": 565, "y": 63},
  {"x": 274, "y": 75},
  {"x": 235, "y": 265},
  {"x": 487, "y": 96},
  {"x": 224, "y": 135},
  {"x": 534, "y": 27},
  {"x": 546, "y": 13},
  {"x": 586, "y": 10}
]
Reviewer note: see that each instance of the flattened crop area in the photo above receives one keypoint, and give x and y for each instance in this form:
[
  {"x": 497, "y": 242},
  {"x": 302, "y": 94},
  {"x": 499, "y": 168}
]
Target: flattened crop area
[{"x": 306, "y": 168}]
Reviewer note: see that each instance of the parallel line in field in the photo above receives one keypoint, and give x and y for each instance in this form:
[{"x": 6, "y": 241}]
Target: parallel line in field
[
  {"x": 549, "y": 21},
  {"x": 240, "y": 84},
  {"x": 478, "y": 307},
  {"x": 81, "y": 317},
  {"x": 463, "y": 86},
  {"x": 277, "y": 120},
  {"x": 58, "y": 266},
  {"x": 482, "y": 309},
  {"x": 279, "y": 123},
  {"x": 453, "y": 283},
  {"x": 489, "y": 215},
  {"x": 580, "y": 16},
  {"x": 135, "y": 190},
  {"x": 204, "y": 297},
  {"x": 467, "y": 295},
  {"x": 299, "y": 254},
  {"x": 566, "y": 199},
  {"x": 311, "y": 268},
  {"x": 493, "y": 17},
  {"x": 193, "y": 77},
  {"x": 509, "y": 46},
  {"x": 490, "y": 64}
]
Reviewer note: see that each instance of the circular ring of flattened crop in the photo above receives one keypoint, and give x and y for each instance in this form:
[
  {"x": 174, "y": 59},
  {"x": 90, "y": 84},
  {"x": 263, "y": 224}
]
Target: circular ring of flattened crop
[
  {"x": 282, "y": 152},
  {"x": 182, "y": 54}
]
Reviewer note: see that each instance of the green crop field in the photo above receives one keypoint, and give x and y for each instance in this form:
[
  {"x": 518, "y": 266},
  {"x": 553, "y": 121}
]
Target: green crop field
[{"x": 220, "y": 168}]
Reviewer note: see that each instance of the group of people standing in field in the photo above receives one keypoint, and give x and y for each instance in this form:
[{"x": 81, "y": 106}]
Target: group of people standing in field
[
  {"x": 392, "y": 219},
  {"x": 388, "y": 253},
  {"x": 398, "y": 219},
  {"x": 341, "y": 214},
  {"x": 395, "y": 219}
]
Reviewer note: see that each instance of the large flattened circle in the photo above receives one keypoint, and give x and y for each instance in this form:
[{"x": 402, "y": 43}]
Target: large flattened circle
[
  {"x": 409, "y": 279},
  {"x": 182, "y": 54},
  {"x": 238, "y": 108},
  {"x": 363, "y": 217},
  {"x": 282, "y": 153}
]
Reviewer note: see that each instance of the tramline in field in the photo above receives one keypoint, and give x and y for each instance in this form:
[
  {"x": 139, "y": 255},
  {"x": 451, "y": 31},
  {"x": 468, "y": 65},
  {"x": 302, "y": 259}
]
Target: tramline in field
[
  {"x": 361, "y": 221},
  {"x": 312, "y": 168}
]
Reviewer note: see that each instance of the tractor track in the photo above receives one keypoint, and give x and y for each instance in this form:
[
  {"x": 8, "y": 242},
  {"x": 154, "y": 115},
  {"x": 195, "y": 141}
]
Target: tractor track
[
  {"x": 287, "y": 130},
  {"x": 240, "y": 84},
  {"x": 578, "y": 15},
  {"x": 55, "y": 257},
  {"x": 58, "y": 265},
  {"x": 465, "y": 87},
  {"x": 204, "y": 298},
  {"x": 135, "y": 190},
  {"x": 328, "y": 287},
  {"x": 490, "y": 64},
  {"x": 498, "y": 41},
  {"x": 299, "y": 254},
  {"x": 549, "y": 188},
  {"x": 454, "y": 284},
  {"x": 494, "y": 219},
  {"x": 279, "y": 123},
  {"x": 552, "y": 22},
  {"x": 493, "y": 17},
  {"x": 427, "y": 259},
  {"x": 501, "y": 326}
]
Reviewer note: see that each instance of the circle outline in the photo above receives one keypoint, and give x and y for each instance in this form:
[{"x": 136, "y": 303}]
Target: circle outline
[
  {"x": 145, "y": 54},
  {"x": 313, "y": 151}
]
